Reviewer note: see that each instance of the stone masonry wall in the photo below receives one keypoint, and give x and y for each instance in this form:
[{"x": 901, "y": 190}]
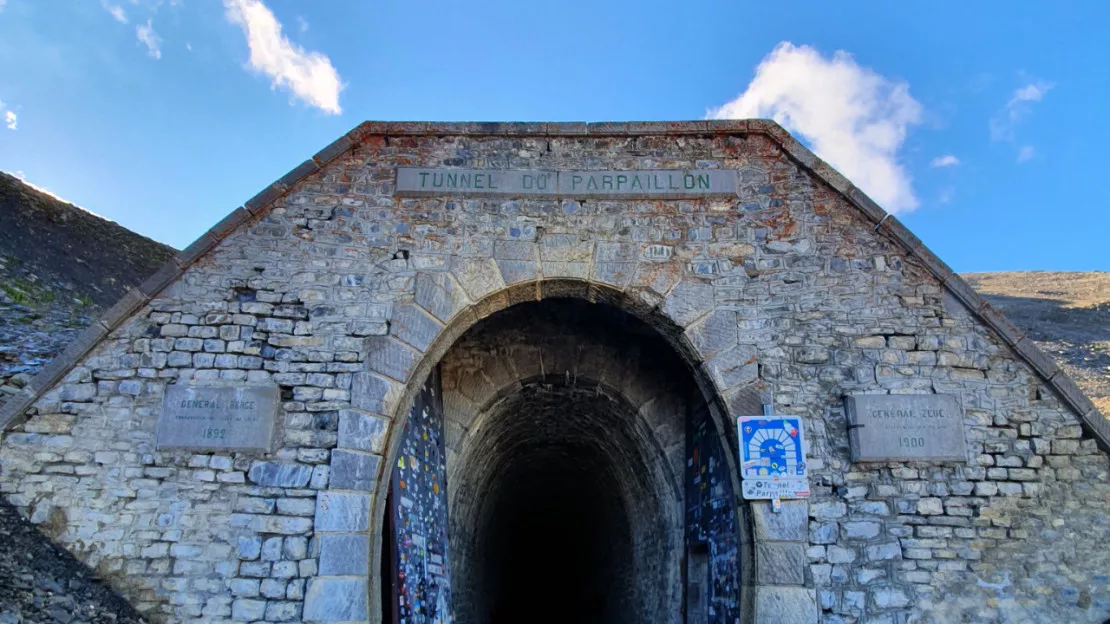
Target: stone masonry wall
[{"x": 790, "y": 274}]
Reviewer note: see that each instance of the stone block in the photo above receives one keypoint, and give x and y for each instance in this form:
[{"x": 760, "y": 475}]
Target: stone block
[
  {"x": 263, "y": 198},
  {"x": 414, "y": 325},
  {"x": 128, "y": 304},
  {"x": 298, "y": 173},
  {"x": 790, "y": 524},
  {"x": 391, "y": 358},
  {"x": 244, "y": 587},
  {"x": 353, "y": 470},
  {"x": 479, "y": 277},
  {"x": 374, "y": 393},
  {"x": 342, "y": 511},
  {"x": 786, "y": 605},
  {"x": 294, "y": 548},
  {"x": 336, "y": 149},
  {"x": 229, "y": 223},
  {"x": 899, "y": 232},
  {"x": 780, "y": 563},
  {"x": 515, "y": 271},
  {"x": 714, "y": 333},
  {"x": 1010, "y": 334},
  {"x": 872, "y": 210},
  {"x": 282, "y": 525},
  {"x": 161, "y": 278},
  {"x": 271, "y": 549},
  {"x": 283, "y": 611},
  {"x": 249, "y": 547},
  {"x": 688, "y": 301},
  {"x": 1070, "y": 392},
  {"x": 297, "y": 506},
  {"x": 336, "y": 599},
  {"x": 617, "y": 274},
  {"x": 883, "y": 552},
  {"x": 861, "y": 530},
  {"x": 196, "y": 249},
  {"x": 344, "y": 554},
  {"x": 964, "y": 292},
  {"x": 839, "y": 554},
  {"x": 362, "y": 432},
  {"x": 279, "y": 474},
  {"x": 733, "y": 367},
  {"x": 272, "y": 588},
  {"x": 889, "y": 597},
  {"x": 248, "y": 610},
  {"x": 439, "y": 294}
]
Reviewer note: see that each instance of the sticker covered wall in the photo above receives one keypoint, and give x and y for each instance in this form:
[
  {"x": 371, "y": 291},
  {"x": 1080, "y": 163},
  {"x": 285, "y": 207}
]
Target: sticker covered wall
[
  {"x": 711, "y": 526},
  {"x": 421, "y": 586}
]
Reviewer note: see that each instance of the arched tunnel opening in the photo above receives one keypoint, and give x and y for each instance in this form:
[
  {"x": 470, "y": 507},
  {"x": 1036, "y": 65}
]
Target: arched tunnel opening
[
  {"x": 566, "y": 427},
  {"x": 570, "y": 516},
  {"x": 565, "y": 424}
]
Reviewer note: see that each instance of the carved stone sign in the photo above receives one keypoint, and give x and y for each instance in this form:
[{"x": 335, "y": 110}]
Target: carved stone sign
[
  {"x": 905, "y": 427},
  {"x": 631, "y": 184},
  {"x": 197, "y": 417}
]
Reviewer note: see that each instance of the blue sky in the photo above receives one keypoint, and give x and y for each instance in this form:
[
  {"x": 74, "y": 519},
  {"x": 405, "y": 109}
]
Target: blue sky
[{"x": 982, "y": 124}]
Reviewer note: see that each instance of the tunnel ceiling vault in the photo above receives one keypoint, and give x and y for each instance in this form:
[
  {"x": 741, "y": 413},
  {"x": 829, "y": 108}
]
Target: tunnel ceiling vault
[
  {"x": 572, "y": 477},
  {"x": 565, "y": 427}
]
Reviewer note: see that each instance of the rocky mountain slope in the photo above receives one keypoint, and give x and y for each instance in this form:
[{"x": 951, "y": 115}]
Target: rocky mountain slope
[
  {"x": 1066, "y": 314},
  {"x": 59, "y": 266}
]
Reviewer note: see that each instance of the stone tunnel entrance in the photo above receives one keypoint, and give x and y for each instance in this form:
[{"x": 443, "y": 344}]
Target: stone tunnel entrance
[{"x": 568, "y": 474}]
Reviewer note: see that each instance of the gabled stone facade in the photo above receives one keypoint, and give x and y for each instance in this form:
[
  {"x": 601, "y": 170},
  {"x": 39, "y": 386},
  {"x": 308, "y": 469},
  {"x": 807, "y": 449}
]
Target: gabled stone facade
[{"x": 330, "y": 285}]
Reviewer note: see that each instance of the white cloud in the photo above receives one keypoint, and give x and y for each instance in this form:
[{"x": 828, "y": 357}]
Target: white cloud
[
  {"x": 302, "y": 24},
  {"x": 946, "y": 195},
  {"x": 310, "y": 76},
  {"x": 853, "y": 117},
  {"x": 10, "y": 118},
  {"x": 149, "y": 38},
  {"x": 2, "y": 3},
  {"x": 1027, "y": 152},
  {"x": 1019, "y": 106},
  {"x": 948, "y": 160},
  {"x": 116, "y": 11}
]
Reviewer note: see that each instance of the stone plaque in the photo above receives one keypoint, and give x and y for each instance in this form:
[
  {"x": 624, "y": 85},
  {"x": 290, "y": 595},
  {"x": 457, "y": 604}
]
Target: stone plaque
[
  {"x": 905, "y": 427},
  {"x": 631, "y": 184},
  {"x": 198, "y": 417}
]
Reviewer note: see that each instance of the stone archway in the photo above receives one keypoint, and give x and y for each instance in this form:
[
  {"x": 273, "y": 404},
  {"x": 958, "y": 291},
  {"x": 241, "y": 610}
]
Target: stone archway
[{"x": 711, "y": 362}]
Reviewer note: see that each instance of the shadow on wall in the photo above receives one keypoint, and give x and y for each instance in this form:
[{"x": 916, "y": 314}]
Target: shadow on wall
[
  {"x": 1055, "y": 319},
  {"x": 1076, "y": 335},
  {"x": 32, "y": 567}
]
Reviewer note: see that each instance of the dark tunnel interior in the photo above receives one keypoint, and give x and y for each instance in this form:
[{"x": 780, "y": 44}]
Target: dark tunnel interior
[{"x": 563, "y": 501}]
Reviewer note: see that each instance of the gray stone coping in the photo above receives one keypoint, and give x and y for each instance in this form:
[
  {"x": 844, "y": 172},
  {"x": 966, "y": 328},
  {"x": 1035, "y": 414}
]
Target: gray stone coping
[{"x": 1095, "y": 422}]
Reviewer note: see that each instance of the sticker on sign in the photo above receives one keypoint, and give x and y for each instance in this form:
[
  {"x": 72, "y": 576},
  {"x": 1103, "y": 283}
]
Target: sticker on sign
[{"x": 763, "y": 489}]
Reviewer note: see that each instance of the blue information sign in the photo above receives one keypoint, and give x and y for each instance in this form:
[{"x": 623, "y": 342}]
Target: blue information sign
[{"x": 772, "y": 446}]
